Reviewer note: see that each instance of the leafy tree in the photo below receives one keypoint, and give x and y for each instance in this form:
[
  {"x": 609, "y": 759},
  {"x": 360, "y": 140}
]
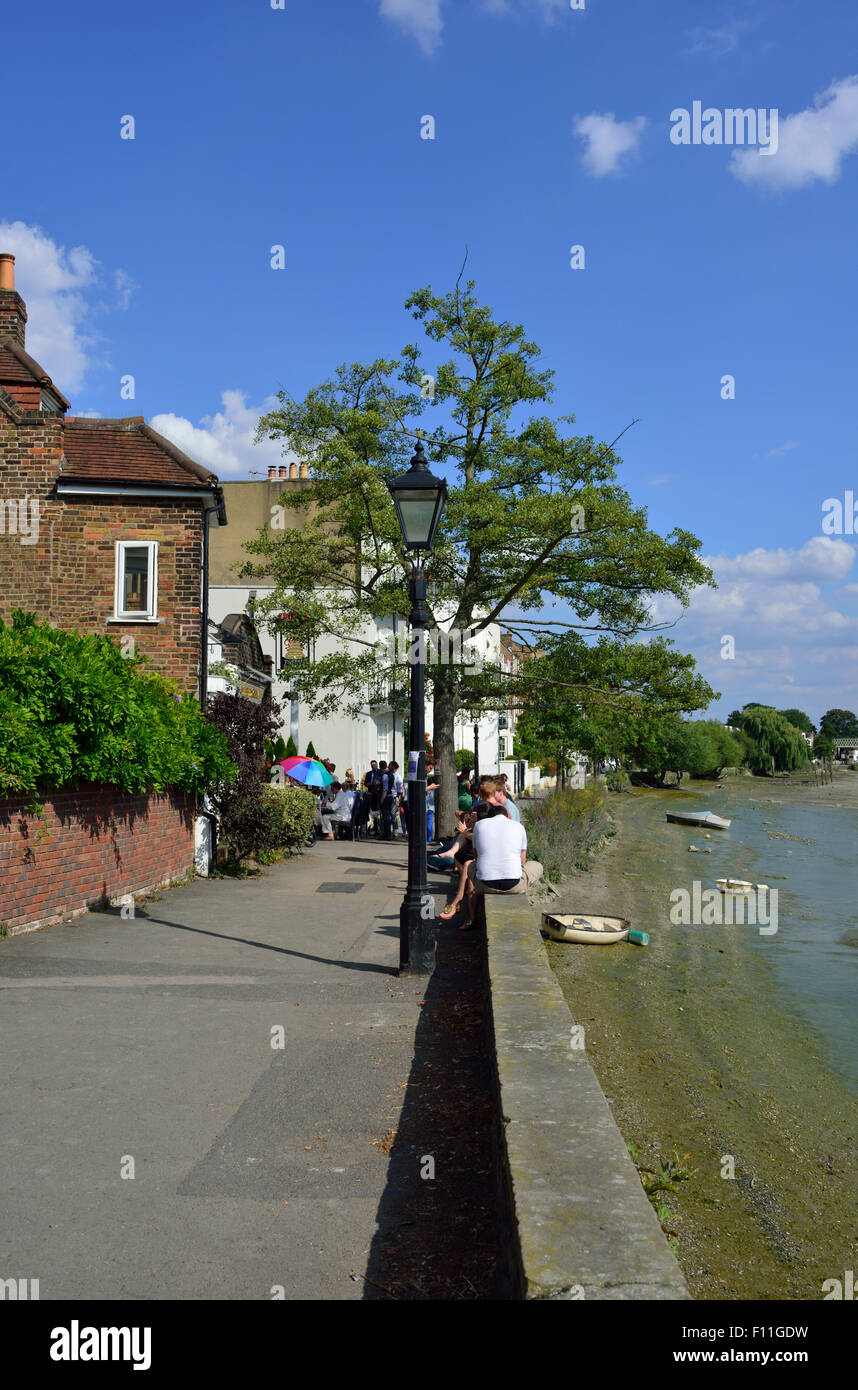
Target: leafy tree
[
  {"x": 799, "y": 720},
  {"x": 774, "y": 744},
  {"x": 839, "y": 723},
  {"x": 535, "y": 516},
  {"x": 249, "y": 821},
  {"x": 603, "y": 698},
  {"x": 464, "y": 759}
]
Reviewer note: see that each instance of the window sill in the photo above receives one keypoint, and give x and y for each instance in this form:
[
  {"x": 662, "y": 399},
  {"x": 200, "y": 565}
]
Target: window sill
[{"x": 152, "y": 622}]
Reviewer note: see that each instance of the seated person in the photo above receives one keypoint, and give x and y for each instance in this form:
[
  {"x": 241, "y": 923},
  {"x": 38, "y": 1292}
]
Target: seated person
[
  {"x": 501, "y": 864},
  {"x": 462, "y": 856},
  {"x": 443, "y": 858},
  {"x": 336, "y": 812}
]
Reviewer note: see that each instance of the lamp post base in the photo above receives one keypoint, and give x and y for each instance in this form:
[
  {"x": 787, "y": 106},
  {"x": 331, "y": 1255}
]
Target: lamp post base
[{"x": 417, "y": 936}]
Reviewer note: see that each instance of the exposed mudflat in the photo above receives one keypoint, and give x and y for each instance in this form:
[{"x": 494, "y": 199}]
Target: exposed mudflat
[{"x": 702, "y": 1052}]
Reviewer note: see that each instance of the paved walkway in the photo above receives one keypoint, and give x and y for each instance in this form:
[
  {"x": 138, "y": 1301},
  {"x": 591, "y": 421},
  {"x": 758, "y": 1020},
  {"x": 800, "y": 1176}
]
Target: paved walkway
[{"x": 150, "y": 1039}]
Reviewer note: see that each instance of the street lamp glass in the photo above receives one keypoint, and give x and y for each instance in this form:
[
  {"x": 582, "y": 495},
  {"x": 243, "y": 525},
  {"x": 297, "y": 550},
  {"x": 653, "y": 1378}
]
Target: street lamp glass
[
  {"x": 417, "y": 516},
  {"x": 419, "y": 498}
]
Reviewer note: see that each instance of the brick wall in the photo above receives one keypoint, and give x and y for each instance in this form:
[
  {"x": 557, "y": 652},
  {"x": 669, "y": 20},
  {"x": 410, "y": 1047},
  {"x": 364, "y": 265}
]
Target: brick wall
[
  {"x": 63, "y": 567},
  {"x": 89, "y": 846}
]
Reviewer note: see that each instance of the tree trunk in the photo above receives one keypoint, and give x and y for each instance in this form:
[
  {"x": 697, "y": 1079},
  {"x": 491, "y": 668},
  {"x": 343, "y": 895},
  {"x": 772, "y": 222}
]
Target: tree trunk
[{"x": 445, "y": 706}]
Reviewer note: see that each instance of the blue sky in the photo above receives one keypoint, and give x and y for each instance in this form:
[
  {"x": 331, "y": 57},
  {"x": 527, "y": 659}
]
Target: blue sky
[{"x": 301, "y": 126}]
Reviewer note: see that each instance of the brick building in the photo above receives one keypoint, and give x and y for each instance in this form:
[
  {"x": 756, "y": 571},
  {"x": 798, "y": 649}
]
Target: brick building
[{"x": 103, "y": 523}]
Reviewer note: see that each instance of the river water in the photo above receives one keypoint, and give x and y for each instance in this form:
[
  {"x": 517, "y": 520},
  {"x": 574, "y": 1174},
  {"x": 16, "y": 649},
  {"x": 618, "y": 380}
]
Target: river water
[{"x": 815, "y": 950}]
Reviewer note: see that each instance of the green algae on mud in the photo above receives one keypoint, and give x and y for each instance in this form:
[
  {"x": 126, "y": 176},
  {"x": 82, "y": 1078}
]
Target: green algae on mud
[{"x": 701, "y": 1051}]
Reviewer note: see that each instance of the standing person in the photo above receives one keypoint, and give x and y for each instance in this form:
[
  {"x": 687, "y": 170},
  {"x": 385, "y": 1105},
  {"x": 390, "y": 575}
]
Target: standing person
[
  {"x": 373, "y": 786},
  {"x": 398, "y": 792},
  {"x": 501, "y": 864},
  {"x": 431, "y": 784},
  {"x": 386, "y": 800}
]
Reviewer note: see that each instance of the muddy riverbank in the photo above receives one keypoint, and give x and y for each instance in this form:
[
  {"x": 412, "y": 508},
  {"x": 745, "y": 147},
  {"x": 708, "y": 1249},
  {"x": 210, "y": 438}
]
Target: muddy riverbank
[{"x": 704, "y": 1054}]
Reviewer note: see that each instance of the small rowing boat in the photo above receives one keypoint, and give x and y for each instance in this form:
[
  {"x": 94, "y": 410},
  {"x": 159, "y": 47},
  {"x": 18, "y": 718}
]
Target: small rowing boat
[
  {"x": 706, "y": 819},
  {"x": 589, "y": 930},
  {"x": 740, "y": 885}
]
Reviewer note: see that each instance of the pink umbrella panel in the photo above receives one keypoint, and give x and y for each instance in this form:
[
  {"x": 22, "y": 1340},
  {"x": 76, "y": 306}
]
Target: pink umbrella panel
[{"x": 308, "y": 771}]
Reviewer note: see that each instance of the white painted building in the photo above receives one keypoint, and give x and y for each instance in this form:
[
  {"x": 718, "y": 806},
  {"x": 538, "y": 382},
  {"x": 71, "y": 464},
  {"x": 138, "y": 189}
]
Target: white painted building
[{"x": 377, "y": 731}]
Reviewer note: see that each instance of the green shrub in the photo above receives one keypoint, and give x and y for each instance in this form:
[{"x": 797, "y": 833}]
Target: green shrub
[
  {"x": 563, "y": 829},
  {"x": 74, "y": 709},
  {"x": 295, "y": 809},
  {"x": 618, "y": 781}
]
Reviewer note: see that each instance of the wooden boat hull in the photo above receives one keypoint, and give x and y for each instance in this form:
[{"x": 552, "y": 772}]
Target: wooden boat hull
[
  {"x": 588, "y": 929},
  {"x": 703, "y": 820}
]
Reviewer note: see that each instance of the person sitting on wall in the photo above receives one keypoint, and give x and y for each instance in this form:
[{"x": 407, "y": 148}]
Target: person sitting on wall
[
  {"x": 463, "y": 793},
  {"x": 501, "y": 864},
  {"x": 497, "y": 796},
  {"x": 463, "y": 855}
]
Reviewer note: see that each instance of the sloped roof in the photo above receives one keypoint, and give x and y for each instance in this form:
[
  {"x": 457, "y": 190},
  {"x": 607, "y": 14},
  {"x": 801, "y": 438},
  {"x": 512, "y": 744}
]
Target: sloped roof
[
  {"x": 127, "y": 451},
  {"x": 18, "y": 366}
]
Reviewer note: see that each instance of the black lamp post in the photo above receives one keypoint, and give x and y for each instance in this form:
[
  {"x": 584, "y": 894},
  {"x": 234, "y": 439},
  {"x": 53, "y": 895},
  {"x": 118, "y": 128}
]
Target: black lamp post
[
  {"x": 476, "y": 750},
  {"x": 419, "y": 499}
]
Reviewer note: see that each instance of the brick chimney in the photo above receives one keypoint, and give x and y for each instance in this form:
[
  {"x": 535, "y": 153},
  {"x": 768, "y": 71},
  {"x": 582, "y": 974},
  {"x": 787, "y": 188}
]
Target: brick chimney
[{"x": 13, "y": 311}]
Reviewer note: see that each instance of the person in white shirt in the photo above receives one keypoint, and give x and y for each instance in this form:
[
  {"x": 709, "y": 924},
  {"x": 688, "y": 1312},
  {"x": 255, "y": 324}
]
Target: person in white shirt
[
  {"x": 336, "y": 812},
  {"x": 501, "y": 864}
]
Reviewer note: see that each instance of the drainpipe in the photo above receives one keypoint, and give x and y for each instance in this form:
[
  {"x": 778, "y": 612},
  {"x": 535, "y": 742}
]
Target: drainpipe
[{"x": 220, "y": 508}]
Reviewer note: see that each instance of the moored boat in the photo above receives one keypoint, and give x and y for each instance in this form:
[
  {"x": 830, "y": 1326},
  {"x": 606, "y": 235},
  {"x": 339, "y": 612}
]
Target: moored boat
[
  {"x": 705, "y": 819},
  {"x": 734, "y": 885},
  {"x": 589, "y": 929}
]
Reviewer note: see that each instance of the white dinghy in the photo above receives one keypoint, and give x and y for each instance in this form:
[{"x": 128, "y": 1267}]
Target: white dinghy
[{"x": 590, "y": 930}]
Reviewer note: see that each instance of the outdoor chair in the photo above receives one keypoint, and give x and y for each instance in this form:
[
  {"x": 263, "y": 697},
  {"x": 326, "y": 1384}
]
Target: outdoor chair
[{"x": 355, "y": 829}]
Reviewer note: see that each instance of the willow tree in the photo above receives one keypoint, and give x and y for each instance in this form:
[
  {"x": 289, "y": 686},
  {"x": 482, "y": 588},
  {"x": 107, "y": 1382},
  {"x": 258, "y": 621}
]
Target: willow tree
[{"x": 537, "y": 532}]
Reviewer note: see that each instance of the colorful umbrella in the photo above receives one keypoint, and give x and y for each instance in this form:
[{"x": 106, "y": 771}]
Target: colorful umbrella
[{"x": 307, "y": 770}]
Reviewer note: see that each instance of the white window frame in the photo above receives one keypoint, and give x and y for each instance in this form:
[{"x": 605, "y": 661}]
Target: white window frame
[{"x": 151, "y": 614}]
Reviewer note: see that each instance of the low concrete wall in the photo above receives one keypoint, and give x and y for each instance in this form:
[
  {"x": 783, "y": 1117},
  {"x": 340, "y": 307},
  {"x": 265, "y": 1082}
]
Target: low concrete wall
[{"x": 579, "y": 1224}]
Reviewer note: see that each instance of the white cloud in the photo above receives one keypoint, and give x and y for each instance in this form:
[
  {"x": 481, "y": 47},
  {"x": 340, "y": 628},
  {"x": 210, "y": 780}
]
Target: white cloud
[
  {"x": 811, "y": 143},
  {"x": 823, "y": 559},
  {"x": 125, "y": 287},
  {"x": 793, "y": 645},
  {"x": 660, "y": 479},
  {"x": 223, "y": 442},
  {"x": 718, "y": 41},
  {"x": 51, "y": 280},
  {"x": 607, "y": 140},
  {"x": 782, "y": 449},
  {"x": 419, "y": 18}
]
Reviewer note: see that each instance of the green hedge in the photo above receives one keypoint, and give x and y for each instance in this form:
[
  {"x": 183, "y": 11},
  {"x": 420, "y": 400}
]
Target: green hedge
[
  {"x": 295, "y": 811},
  {"x": 74, "y": 709}
]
